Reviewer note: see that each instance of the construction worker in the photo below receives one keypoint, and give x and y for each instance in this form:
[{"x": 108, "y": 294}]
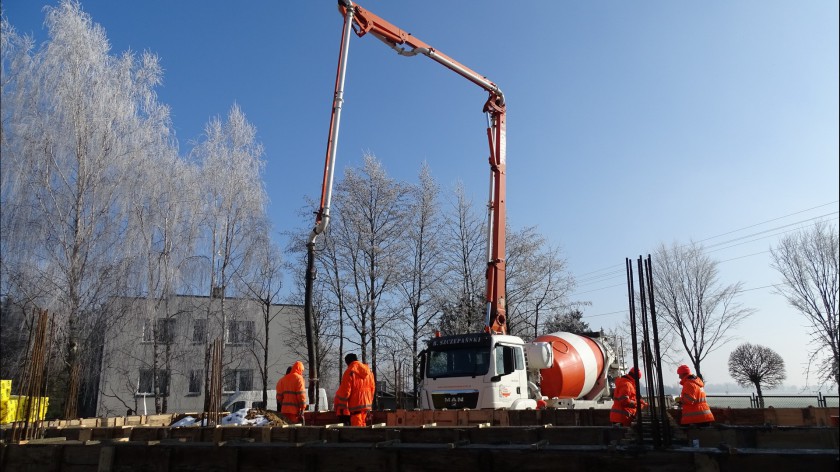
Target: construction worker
[
  {"x": 695, "y": 410},
  {"x": 623, "y": 410},
  {"x": 291, "y": 394},
  {"x": 356, "y": 390},
  {"x": 278, "y": 392}
]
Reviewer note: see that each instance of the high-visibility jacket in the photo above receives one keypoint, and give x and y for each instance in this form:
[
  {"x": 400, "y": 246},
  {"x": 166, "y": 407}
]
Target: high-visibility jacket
[
  {"x": 340, "y": 407},
  {"x": 693, "y": 401},
  {"x": 624, "y": 401},
  {"x": 291, "y": 393},
  {"x": 356, "y": 390}
]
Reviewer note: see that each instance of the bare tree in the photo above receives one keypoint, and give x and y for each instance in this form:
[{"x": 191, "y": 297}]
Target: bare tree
[
  {"x": 538, "y": 283},
  {"x": 77, "y": 124},
  {"x": 234, "y": 214},
  {"x": 462, "y": 301},
  {"x": 263, "y": 284},
  {"x": 751, "y": 364},
  {"x": 369, "y": 239},
  {"x": 422, "y": 269},
  {"x": 692, "y": 303},
  {"x": 808, "y": 262}
]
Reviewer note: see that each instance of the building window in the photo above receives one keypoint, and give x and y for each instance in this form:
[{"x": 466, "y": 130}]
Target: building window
[
  {"x": 199, "y": 331},
  {"x": 161, "y": 331},
  {"x": 148, "y": 382},
  {"x": 196, "y": 377},
  {"x": 240, "y": 332},
  {"x": 238, "y": 380}
]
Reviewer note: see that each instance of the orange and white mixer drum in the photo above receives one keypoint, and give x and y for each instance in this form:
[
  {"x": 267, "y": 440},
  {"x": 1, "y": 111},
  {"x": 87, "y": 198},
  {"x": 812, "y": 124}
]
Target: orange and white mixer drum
[{"x": 577, "y": 368}]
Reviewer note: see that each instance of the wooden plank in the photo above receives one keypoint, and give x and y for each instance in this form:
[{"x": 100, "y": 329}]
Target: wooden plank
[
  {"x": 106, "y": 459},
  {"x": 40, "y": 458},
  {"x": 445, "y": 417},
  {"x": 503, "y": 435}
]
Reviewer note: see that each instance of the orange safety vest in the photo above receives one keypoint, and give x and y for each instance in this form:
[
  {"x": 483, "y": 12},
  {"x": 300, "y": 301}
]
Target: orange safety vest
[
  {"x": 624, "y": 401},
  {"x": 291, "y": 393},
  {"x": 693, "y": 400},
  {"x": 356, "y": 390}
]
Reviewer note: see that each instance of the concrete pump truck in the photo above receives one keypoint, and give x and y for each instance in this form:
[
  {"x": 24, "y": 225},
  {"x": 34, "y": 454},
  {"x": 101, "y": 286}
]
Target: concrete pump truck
[{"x": 491, "y": 369}]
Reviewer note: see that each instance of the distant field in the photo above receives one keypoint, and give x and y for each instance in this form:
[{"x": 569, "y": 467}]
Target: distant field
[{"x": 776, "y": 401}]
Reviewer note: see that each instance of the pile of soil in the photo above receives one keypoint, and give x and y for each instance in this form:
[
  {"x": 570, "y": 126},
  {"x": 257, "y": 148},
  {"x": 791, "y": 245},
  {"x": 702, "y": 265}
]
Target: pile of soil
[{"x": 273, "y": 417}]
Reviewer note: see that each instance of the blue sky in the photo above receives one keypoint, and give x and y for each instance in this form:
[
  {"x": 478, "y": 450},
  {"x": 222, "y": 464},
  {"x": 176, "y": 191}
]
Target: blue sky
[{"x": 629, "y": 123}]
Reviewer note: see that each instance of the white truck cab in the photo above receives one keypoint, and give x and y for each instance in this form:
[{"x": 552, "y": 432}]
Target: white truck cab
[{"x": 476, "y": 371}]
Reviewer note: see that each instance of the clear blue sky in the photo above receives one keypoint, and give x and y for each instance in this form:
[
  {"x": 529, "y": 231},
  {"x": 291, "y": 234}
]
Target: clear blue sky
[{"x": 629, "y": 123}]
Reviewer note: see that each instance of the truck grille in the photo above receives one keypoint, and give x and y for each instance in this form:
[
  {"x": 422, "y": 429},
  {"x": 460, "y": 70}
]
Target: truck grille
[{"x": 455, "y": 400}]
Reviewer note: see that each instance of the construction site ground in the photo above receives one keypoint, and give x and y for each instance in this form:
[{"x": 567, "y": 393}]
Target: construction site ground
[{"x": 443, "y": 440}]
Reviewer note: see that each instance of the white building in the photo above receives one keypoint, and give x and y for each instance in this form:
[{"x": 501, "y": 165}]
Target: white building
[{"x": 163, "y": 347}]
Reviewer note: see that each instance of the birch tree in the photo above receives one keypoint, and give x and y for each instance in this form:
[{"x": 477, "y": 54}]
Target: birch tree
[
  {"x": 77, "y": 123},
  {"x": 809, "y": 262},
  {"x": 235, "y": 199},
  {"x": 691, "y": 301}
]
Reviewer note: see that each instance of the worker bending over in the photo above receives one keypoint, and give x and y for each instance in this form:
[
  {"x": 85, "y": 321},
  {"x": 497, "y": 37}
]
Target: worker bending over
[{"x": 623, "y": 410}]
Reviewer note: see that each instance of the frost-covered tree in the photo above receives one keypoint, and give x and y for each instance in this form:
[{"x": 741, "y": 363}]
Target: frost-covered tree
[
  {"x": 422, "y": 270},
  {"x": 77, "y": 124},
  {"x": 263, "y": 284},
  {"x": 462, "y": 300},
  {"x": 233, "y": 219},
  {"x": 368, "y": 233},
  {"x": 538, "y": 282}
]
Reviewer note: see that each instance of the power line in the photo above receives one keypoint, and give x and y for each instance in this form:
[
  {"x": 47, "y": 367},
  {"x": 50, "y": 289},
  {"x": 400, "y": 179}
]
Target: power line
[
  {"x": 770, "y": 220},
  {"x": 618, "y": 271}
]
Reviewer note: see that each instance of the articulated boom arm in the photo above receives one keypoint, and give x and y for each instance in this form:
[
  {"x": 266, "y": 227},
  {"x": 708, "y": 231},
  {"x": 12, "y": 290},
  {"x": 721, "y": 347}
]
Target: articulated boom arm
[{"x": 363, "y": 22}]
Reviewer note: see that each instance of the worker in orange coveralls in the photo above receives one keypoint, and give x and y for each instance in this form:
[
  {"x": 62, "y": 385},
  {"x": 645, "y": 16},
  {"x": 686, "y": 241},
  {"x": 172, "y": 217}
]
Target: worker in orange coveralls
[
  {"x": 623, "y": 410},
  {"x": 695, "y": 410},
  {"x": 356, "y": 390},
  {"x": 291, "y": 394},
  {"x": 278, "y": 392}
]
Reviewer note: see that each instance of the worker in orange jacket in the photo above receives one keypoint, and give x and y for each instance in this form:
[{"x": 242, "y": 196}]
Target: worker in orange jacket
[
  {"x": 623, "y": 410},
  {"x": 355, "y": 394},
  {"x": 291, "y": 394},
  {"x": 695, "y": 410}
]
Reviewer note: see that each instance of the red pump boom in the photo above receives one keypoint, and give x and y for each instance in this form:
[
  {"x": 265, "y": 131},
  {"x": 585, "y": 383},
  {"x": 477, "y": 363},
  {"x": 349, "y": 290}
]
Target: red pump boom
[{"x": 362, "y": 22}]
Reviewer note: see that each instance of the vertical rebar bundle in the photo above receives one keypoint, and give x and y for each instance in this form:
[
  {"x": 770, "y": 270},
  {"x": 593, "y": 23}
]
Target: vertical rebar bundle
[
  {"x": 33, "y": 383},
  {"x": 651, "y": 356},
  {"x": 213, "y": 402}
]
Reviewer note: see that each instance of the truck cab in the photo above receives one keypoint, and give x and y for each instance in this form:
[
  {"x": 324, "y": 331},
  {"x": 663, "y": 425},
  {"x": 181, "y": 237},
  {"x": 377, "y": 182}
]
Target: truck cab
[{"x": 475, "y": 371}]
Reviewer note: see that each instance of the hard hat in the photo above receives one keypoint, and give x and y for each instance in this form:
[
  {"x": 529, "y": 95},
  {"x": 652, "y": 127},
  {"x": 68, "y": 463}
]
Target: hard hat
[
  {"x": 683, "y": 370},
  {"x": 634, "y": 372}
]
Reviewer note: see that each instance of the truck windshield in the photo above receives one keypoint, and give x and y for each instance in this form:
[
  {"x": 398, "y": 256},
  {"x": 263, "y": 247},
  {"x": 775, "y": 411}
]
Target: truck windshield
[{"x": 458, "y": 362}]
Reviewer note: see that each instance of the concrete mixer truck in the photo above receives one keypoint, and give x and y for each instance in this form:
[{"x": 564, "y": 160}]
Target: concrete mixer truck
[{"x": 485, "y": 370}]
